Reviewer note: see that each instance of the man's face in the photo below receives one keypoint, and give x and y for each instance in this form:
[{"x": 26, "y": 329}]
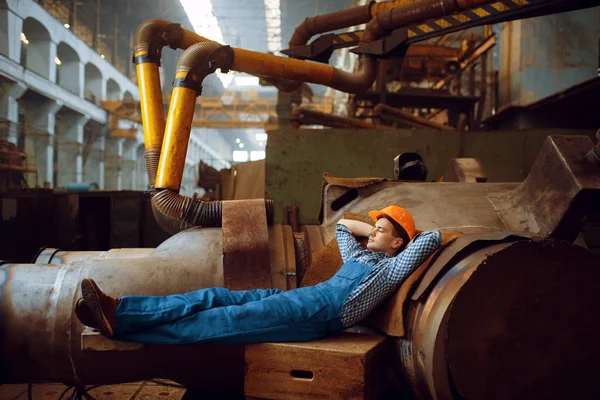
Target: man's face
[{"x": 382, "y": 238}]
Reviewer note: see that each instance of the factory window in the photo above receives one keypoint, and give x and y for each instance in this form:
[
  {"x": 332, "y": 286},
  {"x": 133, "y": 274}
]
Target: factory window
[
  {"x": 113, "y": 91},
  {"x": 3, "y": 27},
  {"x": 67, "y": 68},
  {"x": 257, "y": 155},
  {"x": 35, "y": 47},
  {"x": 93, "y": 83},
  {"x": 240, "y": 156}
]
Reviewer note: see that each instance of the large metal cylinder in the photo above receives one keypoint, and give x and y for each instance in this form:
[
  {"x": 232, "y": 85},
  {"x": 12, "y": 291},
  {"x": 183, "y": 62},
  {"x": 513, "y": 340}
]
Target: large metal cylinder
[
  {"x": 507, "y": 321},
  {"x": 41, "y": 337}
]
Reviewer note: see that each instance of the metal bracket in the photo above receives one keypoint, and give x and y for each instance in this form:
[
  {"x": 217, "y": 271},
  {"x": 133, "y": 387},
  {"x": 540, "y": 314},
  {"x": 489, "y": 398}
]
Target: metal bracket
[
  {"x": 171, "y": 35},
  {"x": 221, "y": 58},
  {"x": 501, "y": 11}
]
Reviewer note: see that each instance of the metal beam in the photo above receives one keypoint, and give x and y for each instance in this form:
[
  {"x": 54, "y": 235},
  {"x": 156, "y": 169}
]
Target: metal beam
[{"x": 481, "y": 50}]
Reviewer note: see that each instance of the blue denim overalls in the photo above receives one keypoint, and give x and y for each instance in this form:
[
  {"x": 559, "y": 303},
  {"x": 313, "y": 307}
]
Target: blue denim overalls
[{"x": 220, "y": 316}]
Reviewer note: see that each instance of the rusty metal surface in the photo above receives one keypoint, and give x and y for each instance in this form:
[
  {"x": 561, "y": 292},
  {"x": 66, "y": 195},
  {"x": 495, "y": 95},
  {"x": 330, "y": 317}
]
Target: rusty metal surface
[
  {"x": 510, "y": 320},
  {"x": 282, "y": 257},
  {"x": 459, "y": 249},
  {"x": 533, "y": 305},
  {"x": 563, "y": 185},
  {"x": 465, "y": 170},
  {"x": 424, "y": 357},
  {"x": 245, "y": 245},
  {"x": 433, "y": 205}
]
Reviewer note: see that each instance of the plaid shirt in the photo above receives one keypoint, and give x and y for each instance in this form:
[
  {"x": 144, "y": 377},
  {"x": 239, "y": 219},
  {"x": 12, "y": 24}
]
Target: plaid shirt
[{"x": 387, "y": 273}]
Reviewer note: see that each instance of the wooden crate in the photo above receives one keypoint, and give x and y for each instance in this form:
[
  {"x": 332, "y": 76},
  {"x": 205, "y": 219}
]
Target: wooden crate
[{"x": 349, "y": 366}]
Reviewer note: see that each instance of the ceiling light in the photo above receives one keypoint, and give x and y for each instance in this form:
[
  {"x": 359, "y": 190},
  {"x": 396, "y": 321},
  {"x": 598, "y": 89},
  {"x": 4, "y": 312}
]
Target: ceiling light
[
  {"x": 237, "y": 140},
  {"x": 261, "y": 137},
  {"x": 24, "y": 38},
  {"x": 102, "y": 56},
  {"x": 57, "y": 61},
  {"x": 67, "y": 26},
  {"x": 205, "y": 23},
  {"x": 241, "y": 145}
]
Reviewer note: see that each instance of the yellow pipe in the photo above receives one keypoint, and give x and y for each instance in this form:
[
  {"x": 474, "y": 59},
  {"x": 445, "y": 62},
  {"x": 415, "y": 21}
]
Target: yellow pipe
[
  {"x": 190, "y": 38},
  {"x": 256, "y": 63},
  {"x": 175, "y": 144},
  {"x": 153, "y": 119}
]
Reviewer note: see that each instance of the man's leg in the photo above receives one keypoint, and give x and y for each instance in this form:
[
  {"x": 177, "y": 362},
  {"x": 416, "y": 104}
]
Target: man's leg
[
  {"x": 136, "y": 313},
  {"x": 100, "y": 311},
  {"x": 299, "y": 315}
]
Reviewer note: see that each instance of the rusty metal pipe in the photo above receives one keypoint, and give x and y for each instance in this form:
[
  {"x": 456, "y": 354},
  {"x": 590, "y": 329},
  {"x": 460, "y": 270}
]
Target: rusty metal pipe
[
  {"x": 384, "y": 111},
  {"x": 419, "y": 11},
  {"x": 330, "y": 22},
  {"x": 306, "y": 116},
  {"x": 341, "y": 19}
]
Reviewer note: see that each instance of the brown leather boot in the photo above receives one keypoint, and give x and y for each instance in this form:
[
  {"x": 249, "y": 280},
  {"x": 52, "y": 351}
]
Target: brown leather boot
[
  {"x": 97, "y": 309},
  {"x": 83, "y": 313}
]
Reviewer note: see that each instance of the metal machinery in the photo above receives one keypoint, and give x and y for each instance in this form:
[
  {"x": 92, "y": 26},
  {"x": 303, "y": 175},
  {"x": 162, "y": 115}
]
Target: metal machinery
[{"x": 506, "y": 311}]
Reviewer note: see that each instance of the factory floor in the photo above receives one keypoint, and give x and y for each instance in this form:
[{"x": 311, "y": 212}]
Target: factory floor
[{"x": 147, "y": 390}]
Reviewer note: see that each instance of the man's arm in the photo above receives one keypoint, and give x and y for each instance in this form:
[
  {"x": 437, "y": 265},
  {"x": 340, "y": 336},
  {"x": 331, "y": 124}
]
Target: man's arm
[
  {"x": 408, "y": 260},
  {"x": 358, "y": 228},
  {"x": 345, "y": 233}
]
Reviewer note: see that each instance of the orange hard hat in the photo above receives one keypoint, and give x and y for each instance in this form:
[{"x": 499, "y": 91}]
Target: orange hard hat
[{"x": 398, "y": 214}]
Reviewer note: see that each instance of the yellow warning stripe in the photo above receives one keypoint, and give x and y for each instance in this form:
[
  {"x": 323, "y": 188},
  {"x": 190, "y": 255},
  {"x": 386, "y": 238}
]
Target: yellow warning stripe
[
  {"x": 520, "y": 2},
  {"x": 442, "y": 23},
  {"x": 499, "y": 6},
  {"x": 461, "y": 17},
  {"x": 425, "y": 28},
  {"x": 480, "y": 12}
]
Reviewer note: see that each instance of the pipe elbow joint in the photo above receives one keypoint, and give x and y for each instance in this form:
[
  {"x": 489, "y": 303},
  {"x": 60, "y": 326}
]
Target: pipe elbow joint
[
  {"x": 201, "y": 60},
  {"x": 175, "y": 212},
  {"x": 359, "y": 81},
  {"x": 151, "y": 36}
]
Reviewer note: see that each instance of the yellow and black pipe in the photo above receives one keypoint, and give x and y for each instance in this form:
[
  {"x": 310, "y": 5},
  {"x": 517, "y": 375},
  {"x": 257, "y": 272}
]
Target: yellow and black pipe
[{"x": 149, "y": 39}]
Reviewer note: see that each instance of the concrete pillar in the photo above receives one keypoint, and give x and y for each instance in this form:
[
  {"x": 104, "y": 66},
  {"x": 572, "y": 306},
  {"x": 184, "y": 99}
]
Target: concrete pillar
[
  {"x": 10, "y": 93},
  {"x": 93, "y": 167},
  {"x": 81, "y": 67},
  {"x": 40, "y": 118},
  {"x": 141, "y": 173},
  {"x": 113, "y": 155},
  {"x": 52, "y": 66},
  {"x": 128, "y": 163},
  {"x": 12, "y": 29},
  {"x": 69, "y": 151}
]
